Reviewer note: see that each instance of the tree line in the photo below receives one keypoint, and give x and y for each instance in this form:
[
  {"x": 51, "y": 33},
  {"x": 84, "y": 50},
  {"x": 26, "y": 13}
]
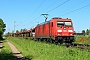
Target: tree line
[
  {"x": 21, "y": 30},
  {"x": 2, "y": 28},
  {"x": 86, "y": 32}
]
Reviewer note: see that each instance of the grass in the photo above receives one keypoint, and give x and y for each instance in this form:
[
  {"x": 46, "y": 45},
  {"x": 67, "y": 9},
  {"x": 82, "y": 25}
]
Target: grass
[
  {"x": 5, "y": 53},
  {"x": 43, "y": 51},
  {"x": 82, "y": 39}
]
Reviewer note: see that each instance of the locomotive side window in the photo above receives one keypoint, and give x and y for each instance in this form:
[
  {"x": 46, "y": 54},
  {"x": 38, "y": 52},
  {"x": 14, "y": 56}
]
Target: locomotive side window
[
  {"x": 52, "y": 24},
  {"x": 68, "y": 24},
  {"x": 60, "y": 23}
]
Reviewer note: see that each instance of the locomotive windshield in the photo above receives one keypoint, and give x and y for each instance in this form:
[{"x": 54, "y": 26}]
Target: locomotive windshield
[
  {"x": 59, "y": 23},
  {"x": 67, "y": 23}
]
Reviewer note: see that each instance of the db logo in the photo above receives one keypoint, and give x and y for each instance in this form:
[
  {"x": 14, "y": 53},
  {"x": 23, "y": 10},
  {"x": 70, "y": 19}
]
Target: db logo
[{"x": 64, "y": 30}]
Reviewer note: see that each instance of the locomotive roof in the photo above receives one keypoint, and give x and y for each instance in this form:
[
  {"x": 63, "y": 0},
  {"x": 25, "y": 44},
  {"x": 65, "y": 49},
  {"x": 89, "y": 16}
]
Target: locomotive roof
[
  {"x": 63, "y": 19},
  {"x": 59, "y": 18},
  {"x": 43, "y": 23}
]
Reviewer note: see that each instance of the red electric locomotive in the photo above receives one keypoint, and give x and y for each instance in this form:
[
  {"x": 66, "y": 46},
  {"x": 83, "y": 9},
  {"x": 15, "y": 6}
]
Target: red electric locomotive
[{"x": 57, "y": 30}]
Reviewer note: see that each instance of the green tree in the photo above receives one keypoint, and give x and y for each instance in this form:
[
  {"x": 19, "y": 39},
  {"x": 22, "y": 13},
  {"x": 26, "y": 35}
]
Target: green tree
[
  {"x": 17, "y": 31},
  {"x": 24, "y": 29},
  {"x": 87, "y": 31},
  {"x": 2, "y": 28},
  {"x": 83, "y": 31},
  {"x": 21, "y": 30}
]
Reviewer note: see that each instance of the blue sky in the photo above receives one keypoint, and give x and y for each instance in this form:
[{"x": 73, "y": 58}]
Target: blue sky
[{"x": 27, "y": 13}]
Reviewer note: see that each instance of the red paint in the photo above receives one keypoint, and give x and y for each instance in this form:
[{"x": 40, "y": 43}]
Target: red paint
[{"x": 51, "y": 28}]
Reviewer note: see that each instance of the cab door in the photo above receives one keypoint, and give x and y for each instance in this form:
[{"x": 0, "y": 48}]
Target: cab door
[{"x": 51, "y": 28}]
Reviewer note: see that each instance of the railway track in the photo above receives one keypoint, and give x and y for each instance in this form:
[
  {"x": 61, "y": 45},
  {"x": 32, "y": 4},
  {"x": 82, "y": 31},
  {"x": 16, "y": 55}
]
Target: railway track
[
  {"x": 76, "y": 45},
  {"x": 81, "y": 46}
]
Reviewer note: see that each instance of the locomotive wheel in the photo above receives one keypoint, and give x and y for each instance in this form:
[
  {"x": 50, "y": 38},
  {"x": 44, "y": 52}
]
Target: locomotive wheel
[
  {"x": 44, "y": 40},
  {"x": 51, "y": 41},
  {"x": 61, "y": 41},
  {"x": 56, "y": 42},
  {"x": 47, "y": 40},
  {"x": 35, "y": 39},
  {"x": 38, "y": 39},
  {"x": 68, "y": 44}
]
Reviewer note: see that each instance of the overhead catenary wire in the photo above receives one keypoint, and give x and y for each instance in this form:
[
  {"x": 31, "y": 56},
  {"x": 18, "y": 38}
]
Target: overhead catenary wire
[
  {"x": 51, "y": 9},
  {"x": 54, "y": 8},
  {"x": 46, "y": 8},
  {"x": 57, "y": 6},
  {"x": 60, "y": 5},
  {"x": 76, "y": 9},
  {"x": 51, "y": 4},
  {"x": 37, "y": 8},
  {"x": 74, "y": 5},
  {"x": 37, "y": 17}
]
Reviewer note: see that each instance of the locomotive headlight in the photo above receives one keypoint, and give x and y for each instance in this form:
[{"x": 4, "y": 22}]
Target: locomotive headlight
[
  {"x": 70, "y": 30},
  {"x": 59, "y": 31},
  {"x": 70, "y": 34}
]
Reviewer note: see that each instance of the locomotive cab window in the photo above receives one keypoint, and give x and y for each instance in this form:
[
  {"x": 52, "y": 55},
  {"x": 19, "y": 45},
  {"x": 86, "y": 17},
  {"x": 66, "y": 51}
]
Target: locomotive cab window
[
  {"x": 68, "y": 24},
  {"x": 64, "y": 23},
  {"x": 60, "y": 23}
]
